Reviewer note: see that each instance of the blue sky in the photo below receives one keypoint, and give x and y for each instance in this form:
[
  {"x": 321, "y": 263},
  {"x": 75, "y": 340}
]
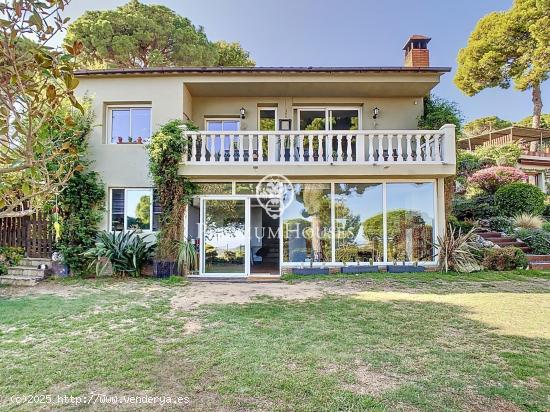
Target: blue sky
[{"x": 349, "y": 33}]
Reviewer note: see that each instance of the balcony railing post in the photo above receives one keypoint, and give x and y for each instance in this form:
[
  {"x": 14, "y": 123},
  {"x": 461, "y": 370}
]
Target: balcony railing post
[
  {"x": 449, "y": 143},
  {"x": 272, "y": 148}
]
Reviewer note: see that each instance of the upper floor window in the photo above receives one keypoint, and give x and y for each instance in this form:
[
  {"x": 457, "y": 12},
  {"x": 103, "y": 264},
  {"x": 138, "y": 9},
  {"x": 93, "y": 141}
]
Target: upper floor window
[
  {"x": 134, "y": 209},
  {"x": 267, "y": 118},
  {"x": 129, "y": 124},
  {"x": 329, "y": 118}
]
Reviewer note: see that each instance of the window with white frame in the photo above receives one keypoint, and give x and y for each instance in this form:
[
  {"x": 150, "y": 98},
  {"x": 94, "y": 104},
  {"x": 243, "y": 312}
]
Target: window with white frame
[
  {"x": 267, "y": 118},
  {"x": 129, "y": 124},
  {"x": 134, "y": 209}
]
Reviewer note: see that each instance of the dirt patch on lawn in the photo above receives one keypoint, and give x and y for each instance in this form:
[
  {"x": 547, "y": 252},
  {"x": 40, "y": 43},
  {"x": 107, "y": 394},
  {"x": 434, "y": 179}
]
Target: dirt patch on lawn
[
  {"x": 372, "y": 382},
  {"x": 205, "y": 293}
]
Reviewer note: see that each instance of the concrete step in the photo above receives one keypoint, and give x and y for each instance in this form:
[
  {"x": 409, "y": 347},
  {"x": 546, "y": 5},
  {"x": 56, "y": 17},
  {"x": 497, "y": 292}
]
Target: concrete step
[
  {"x": 538, "y": 258},
  {"x": 540, "y": 265},
  {"x": 14, "y": 280},
  {"x": 28, "y": 271},
  {"x": 35, "y": 262}
]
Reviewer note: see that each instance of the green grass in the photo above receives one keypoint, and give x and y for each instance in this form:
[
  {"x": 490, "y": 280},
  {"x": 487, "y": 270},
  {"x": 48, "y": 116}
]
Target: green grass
[
  {"x": 484, "y": 276},
  {"x": 335, "y": 353}
]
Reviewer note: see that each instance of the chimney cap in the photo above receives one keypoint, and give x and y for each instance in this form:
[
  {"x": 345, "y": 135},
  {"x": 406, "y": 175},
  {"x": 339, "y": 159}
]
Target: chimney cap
[{"x": 416, "y": 37}]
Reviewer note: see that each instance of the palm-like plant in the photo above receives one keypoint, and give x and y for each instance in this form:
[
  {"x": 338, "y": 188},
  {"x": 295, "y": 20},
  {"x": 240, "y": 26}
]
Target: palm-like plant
[
  {"x": 187, "y": 257},
  {"x": 126, "y": 251},
  {"x": 457, "y": 251}
]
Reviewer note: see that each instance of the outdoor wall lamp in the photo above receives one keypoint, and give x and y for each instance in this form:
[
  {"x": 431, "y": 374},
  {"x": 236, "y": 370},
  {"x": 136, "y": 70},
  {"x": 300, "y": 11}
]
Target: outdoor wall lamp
[
  {"x": 243, "y": 112},
  {"x": 375, "y": 112}
]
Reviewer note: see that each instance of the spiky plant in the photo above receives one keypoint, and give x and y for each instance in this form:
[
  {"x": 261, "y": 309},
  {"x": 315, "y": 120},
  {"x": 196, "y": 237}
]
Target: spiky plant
[
  {"x": 527, "y": 221},
  {"x": 187, "y": 257},
  {"x": 456, "y": 251},
  {"x": 126, "y": 251}
]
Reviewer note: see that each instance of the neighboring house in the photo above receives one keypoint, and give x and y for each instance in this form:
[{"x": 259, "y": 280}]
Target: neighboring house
[
  {"x": 535, "y": 159},
  {"x": 360, "y": 183}
]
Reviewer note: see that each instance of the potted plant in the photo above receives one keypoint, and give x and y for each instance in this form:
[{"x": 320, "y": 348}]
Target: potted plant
[
  {"x": 360, "y": 268},
  {"x": 129, "y": 139},
  {"x": 119, "y": 140},
  {"x": 139, "y": 140},
  {"x": 406, "y": 268}
]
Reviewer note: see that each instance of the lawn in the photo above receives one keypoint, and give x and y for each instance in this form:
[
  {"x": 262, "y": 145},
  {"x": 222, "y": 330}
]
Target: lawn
[{"x": 391, "y": 346}]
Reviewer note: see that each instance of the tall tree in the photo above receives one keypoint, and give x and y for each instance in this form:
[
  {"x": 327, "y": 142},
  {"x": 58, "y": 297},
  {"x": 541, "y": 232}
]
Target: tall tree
[
  {"x": 36, "y": 86},
  {"x": 544, "y": 121},
  {"x": 142, "y": 35},
  {"x": 438, "y": 112},
  {"x": 510, "y": 46},
  {"x": 485, "y": 124},
  {"x": 232, "y": 54}
]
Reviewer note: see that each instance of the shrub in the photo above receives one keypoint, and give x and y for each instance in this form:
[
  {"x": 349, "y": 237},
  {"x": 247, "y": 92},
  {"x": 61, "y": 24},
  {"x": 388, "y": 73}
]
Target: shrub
[
  {"x": 10, "y": 256},
  {"x": 527, "y": 221},
  {"x": 537, "y": 239},
  {"x": 506, "y": 155},
  {"x": 500, "y": 223},
  {"x": 126, "y": 251},
  {"x": 519, "y": 198},
  {"x": 546, "y": 226},
  {"x": 506, "y": 258},
  {"x": 493, "y": 178},
  {"x": 475, "y": 208},
  {"x": 456, "y": 251},
  {"x": 464, "y": 226},
  {"x": 466, "y": 163},
  {"x": 546, "y": 211}
]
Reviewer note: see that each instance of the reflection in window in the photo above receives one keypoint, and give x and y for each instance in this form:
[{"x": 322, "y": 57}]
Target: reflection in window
[
  {"x": 410, "y": 221},
  {"x": 312, "y": 119},
  {"x": 135, "y": 209},
  {"x": 130, "y": 124},
  {"x": 359, "y": 222},
  {"x": 267, "y": 119},
  {"x": 138, "y": 209},
  {"x": 224, "y": 236},
  {"x": 214, "y": 188},
  {"x": 344, "y": 119},
  {"x": 307, "y": 224}
]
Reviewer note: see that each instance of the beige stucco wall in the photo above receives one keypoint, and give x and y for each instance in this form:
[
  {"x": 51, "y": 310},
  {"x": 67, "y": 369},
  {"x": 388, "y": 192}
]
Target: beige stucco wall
[
  {"x": 170, "y": 98},
  {"x": 395, "y": 112}
]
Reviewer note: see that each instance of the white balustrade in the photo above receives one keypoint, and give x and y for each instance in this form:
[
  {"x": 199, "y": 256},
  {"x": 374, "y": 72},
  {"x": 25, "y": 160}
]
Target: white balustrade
[{"x": 322, "y": 147}]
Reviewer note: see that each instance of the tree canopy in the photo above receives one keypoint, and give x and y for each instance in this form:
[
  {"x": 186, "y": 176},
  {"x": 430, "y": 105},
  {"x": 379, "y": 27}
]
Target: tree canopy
[
  {"x": 438, "y": 112},
  {"x": 142, "y": 35},
  {"x": 485, "y": 124},
  {"x": 509, "y": 46},
  {"x": 38, "y": 139}
]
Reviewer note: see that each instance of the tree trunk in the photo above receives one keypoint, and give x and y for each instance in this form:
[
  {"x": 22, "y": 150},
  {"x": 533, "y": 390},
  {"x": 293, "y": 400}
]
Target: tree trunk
[
  {"x": 537, "y": 105},
  {"x": 316, "y": 237}
]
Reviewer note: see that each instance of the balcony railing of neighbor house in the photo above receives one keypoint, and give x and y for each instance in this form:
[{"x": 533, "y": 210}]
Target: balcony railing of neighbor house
[{"x": 322, "y": 147}]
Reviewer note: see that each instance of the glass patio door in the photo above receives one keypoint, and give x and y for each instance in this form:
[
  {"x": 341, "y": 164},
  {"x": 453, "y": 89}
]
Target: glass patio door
[{"x": 225, "y": 245}]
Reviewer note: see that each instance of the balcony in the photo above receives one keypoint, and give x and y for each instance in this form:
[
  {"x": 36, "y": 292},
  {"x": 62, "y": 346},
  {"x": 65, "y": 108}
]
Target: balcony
[{"x": 426, "y": 153}]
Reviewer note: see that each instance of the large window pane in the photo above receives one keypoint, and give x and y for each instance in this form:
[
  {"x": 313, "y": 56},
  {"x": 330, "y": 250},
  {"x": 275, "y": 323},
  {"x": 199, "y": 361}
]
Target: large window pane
[
  {"x": 138, "y": 209},
  {"x": 267, "y": 119},
  {"x": 410, "y": 220},
  {"x": 344, "y": 119},
  {"x": 120, "y": 125},
  {"x": 306, "y": 224},
  {"x": 359, "y": 222},
  {"x": 141, "y": 124},
  {"x": 224, "y": 236},
  {"x": 312, "y": 119},
  {"x": 117, "y": 210}
]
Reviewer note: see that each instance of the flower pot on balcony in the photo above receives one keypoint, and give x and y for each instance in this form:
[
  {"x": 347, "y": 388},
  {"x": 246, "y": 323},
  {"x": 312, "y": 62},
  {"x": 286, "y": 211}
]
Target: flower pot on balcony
[
  {"x": 119, "y": 140},
  {"x": 139, "y": 140}
]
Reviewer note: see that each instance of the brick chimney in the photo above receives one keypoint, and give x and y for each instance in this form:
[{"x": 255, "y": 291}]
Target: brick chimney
[{"x": 416, "y": 51}]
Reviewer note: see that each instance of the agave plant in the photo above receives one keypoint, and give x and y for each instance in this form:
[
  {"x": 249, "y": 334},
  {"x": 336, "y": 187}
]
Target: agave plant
[
  {"x": 126, "y": 251},
  {"x": 527, "y": 221},
  {"x": 457, "y": 251},
  {"x": 187, "y": 257}
]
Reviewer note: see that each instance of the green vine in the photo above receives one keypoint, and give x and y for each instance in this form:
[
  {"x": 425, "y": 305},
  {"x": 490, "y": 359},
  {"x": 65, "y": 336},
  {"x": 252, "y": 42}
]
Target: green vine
[{"x": 166, "y": 150}]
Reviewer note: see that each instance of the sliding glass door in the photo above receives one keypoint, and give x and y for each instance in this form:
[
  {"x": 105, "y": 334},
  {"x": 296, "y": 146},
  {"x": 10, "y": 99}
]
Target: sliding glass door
[{"x": 225, "y": 250}]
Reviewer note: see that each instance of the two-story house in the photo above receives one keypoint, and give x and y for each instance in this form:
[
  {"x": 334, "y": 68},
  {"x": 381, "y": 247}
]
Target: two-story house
[{"x": 319, "y": 166}]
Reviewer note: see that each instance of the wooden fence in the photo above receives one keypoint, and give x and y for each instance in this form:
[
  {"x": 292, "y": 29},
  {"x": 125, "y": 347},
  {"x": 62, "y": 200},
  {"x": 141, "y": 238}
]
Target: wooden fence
[{"x": 33, "y": 233}]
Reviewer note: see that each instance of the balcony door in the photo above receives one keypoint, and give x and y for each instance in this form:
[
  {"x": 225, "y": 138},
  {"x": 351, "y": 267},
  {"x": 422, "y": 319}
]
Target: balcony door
[
  {"x": 221, "y": 142},
  {"x": 331, "y": 118},
  {"x": 225, "y": 236}
]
